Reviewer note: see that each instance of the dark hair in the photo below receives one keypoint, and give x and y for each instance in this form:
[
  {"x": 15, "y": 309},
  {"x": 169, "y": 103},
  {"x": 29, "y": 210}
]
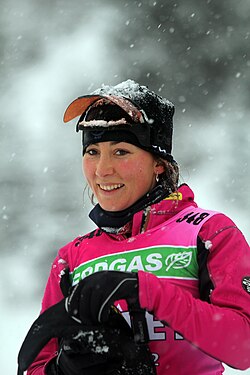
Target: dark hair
[{"x": 170, "y": 177}]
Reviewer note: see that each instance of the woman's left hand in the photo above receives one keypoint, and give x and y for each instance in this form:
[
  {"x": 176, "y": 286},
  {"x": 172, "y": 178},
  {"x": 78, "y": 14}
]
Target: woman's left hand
[{"x": 91, "y": 299}]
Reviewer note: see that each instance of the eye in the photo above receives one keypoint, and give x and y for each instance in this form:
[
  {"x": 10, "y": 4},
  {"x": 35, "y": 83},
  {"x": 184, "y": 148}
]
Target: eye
[
  {"x": 91, "y": 151},
  {"x": 121, "y": 152}
]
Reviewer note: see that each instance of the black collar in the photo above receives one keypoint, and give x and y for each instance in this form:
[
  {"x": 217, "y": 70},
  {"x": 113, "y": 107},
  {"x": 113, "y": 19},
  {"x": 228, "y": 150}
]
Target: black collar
[{"x": 117, "y": 219}]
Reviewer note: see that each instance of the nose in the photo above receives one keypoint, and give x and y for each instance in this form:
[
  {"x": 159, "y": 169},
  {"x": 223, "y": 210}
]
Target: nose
[{"x": 104, "y": 166}]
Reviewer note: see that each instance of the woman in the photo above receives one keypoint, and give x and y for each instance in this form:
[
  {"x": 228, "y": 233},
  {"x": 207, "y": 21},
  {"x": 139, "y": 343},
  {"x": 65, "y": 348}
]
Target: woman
[{"x": 154, "y": 249}]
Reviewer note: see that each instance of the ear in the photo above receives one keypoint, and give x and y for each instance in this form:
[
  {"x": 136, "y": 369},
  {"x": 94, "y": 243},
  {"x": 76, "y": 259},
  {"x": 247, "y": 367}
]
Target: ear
[{"x": 159, "y": 168}]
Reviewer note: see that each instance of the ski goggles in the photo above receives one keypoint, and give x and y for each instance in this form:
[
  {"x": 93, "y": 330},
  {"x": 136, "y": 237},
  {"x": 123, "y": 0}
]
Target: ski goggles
[{"x": 139, "y": 125}]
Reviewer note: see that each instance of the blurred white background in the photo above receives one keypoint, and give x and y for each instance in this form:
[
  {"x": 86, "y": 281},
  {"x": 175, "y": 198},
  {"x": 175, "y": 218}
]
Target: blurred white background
[{"x": 194, "y": 53}]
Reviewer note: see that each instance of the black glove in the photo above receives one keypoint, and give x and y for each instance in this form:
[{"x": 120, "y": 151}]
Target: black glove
[
  {"x": 54, "y": 322},
  {"x": 105, "y": 349},
  {"x": 91, "y": 299},
  {"x": 89, "y": 352},
  {"x": 75, "y": 353}
]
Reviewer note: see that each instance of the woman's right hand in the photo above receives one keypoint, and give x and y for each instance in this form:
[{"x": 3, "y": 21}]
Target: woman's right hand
[
  {"x": 92, "y": 351},
  {"x": 102, "y": 350}
]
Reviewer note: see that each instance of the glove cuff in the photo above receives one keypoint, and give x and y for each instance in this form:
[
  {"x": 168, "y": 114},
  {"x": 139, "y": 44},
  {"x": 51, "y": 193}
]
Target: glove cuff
[{"x": 51, "y": 368}]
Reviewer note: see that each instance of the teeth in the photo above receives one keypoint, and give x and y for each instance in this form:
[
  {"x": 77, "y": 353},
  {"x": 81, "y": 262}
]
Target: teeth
[{"x": 110, "y": 187}]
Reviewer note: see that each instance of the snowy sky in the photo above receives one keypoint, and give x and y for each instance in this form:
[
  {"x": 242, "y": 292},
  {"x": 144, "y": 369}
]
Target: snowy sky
[{"x": 42, "y": 155}]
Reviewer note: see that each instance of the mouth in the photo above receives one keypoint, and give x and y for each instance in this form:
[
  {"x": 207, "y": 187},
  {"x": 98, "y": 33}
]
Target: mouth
[{"x": 110, "y": 187}]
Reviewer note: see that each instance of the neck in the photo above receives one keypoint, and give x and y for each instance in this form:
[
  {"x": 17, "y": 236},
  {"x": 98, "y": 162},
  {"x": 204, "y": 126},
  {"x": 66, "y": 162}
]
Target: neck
[{"x": 114, "y": 222}]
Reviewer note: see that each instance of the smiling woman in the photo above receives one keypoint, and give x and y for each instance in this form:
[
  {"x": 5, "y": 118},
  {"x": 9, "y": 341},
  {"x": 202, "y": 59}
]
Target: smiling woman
[
  {"x": 160, "y": 279},
  {"x": 119, "y": 173}
]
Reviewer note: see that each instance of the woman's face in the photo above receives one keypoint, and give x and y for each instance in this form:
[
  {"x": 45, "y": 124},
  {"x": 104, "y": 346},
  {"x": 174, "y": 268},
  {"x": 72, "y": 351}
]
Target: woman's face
[{"x": 119, "y": 173}]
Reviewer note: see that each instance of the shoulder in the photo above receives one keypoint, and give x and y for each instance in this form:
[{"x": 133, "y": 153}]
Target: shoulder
[
  {"x": 66, "y": 251},
  {"x": 217, "y": 224},
  {"x": 88, "y": 236},
  {"x": 221, "y": 231}
]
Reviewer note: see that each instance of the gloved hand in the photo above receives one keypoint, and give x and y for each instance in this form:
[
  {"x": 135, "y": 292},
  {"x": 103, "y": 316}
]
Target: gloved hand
[
  {"x": 54, "y": 322},
  {"x": 75, "y": 353},
  {"x": 103, "y": 350},
  {"x": 91, "y": 299},
  {"x": 90, "y": 352}
]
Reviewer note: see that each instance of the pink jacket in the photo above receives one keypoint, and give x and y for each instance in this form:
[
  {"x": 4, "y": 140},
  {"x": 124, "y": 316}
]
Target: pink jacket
[{"x": 193, "y": 267}]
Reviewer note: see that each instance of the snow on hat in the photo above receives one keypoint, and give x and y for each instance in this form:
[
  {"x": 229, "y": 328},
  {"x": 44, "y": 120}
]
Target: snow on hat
[{"x": 145, "y": 118}]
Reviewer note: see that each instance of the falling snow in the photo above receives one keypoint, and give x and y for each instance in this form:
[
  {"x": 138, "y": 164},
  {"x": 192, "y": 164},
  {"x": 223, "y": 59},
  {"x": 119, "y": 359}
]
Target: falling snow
[{"x": 194, "y": 53}]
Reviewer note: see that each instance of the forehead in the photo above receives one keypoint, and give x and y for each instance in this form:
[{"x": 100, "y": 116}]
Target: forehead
[
  {"x": 112, "y": 143},
  {"x": 109, "y": 143}
]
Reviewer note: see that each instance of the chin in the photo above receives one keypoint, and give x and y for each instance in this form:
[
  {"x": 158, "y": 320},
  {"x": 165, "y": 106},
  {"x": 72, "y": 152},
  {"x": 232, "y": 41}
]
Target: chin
[{"x": 112, "y": 207}]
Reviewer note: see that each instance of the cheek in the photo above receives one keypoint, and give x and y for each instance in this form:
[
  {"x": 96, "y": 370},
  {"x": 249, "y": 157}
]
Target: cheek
[
  {"x": 141, "y": 167},
  {"x": 84, "y": 168},
  {"x": 130, "y": 170},
  {"x": 87, "y": 170},
  {"x": 140, "y": 175},
  {"x": 145, "y": 173}
]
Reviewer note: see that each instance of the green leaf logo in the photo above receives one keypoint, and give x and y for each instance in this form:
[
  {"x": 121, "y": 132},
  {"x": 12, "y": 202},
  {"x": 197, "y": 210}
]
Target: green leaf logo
[{"x": 179, "y": 260}]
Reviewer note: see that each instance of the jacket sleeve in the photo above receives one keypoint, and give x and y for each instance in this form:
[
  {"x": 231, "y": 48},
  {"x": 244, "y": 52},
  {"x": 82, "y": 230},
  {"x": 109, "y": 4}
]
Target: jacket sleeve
[
  {"x": 219, "y": 327},
  {"x": 52, "y": 295}
]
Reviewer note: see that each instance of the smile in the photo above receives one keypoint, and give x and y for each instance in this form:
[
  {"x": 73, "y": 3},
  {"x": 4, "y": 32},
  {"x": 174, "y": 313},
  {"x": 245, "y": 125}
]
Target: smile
[{"x": 110, "y": 187}]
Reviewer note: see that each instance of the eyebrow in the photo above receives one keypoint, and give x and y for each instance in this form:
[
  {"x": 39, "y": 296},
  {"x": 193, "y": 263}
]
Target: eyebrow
[{"x": 112, "y": 142}]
